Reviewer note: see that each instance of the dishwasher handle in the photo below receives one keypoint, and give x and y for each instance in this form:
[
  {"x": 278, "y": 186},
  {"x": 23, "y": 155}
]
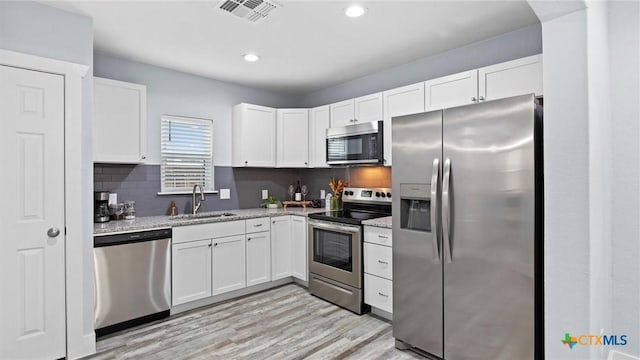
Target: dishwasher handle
[{"x": 131, "y": 237}]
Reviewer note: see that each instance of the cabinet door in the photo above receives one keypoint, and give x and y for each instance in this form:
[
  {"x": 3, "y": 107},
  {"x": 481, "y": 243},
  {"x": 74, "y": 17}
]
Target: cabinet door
[
  {"x": 450, "y": 91},
  {"x": 191, "y": 271},
  {"x": 319, "y": 121},
  {"x": 397, "y": 102},
  {"x": 119, "y": 121},
  {"x": 292, "y": 127},
  {"x": 299, "y": 247},
  {"x": 258, "y": 258},
  {"x": 368, "y": 108},
  {"x": 254, "y": 136},
  {"x": 512, "y": 78},
  {"x": 280, "y": 247},
  {"x": 342, "y": 113},
  {"x": 228, "y": 269}
]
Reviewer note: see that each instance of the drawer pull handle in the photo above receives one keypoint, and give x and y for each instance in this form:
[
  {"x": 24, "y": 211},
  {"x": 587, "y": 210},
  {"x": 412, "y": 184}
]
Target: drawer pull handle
[
  {"x": 381, "y": 294},
  {"x": 383, "y": 262},
  {"x": 383, "y": 237},
  {"x": 257, "y": 225}
]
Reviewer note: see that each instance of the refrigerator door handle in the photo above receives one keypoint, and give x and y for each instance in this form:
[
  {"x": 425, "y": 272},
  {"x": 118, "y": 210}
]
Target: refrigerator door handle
[
  {"x": 446, "y": 210},
  {"x": 435, "y": 178}
]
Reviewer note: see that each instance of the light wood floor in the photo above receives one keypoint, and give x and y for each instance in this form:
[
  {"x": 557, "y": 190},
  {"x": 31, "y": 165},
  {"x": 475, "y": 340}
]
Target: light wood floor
[{"x": 282, "y": 323}]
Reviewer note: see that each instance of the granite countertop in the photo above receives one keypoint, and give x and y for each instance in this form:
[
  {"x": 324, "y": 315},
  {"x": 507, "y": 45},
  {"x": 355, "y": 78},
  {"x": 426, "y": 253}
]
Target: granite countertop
[
  {"x": 159, "y": 222},
  {"x": 383, "y": 222}
]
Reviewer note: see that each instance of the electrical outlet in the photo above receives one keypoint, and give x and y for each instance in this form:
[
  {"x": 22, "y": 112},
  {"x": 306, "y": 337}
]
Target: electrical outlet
[
  {"x": 265, "y": 194},
  {"x": 225, "y": 194}
]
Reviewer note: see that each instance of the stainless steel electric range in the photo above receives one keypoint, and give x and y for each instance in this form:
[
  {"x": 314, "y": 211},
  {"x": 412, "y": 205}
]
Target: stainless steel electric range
[{"x": 335, "y": 247}]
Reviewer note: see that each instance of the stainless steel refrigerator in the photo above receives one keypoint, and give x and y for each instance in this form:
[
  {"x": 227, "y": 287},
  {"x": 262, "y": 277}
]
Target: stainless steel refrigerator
[{"x": 467, "y": 231}]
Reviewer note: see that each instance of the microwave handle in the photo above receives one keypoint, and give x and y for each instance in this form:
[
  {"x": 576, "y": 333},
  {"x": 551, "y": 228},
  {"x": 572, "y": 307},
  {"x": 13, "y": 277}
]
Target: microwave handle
[{"x": 334, "y": 227}]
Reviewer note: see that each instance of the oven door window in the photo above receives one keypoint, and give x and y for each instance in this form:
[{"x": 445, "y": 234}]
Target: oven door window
[{"x": 333, "y": 249}]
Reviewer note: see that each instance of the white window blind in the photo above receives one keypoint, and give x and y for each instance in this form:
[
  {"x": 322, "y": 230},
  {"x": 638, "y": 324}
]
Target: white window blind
[{"x": 186, "y": 152}]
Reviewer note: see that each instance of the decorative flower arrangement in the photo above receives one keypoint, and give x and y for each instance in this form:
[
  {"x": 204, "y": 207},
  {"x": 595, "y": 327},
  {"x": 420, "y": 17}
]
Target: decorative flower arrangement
[{"x": 337, "y": 186}]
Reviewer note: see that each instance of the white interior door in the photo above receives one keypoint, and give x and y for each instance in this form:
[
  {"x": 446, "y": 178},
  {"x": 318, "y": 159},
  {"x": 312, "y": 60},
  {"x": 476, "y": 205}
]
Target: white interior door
[{"x": 32, "y": 306}]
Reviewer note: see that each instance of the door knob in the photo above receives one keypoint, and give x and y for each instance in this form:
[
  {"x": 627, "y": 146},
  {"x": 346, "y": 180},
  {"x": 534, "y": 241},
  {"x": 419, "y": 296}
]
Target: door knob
[
  {"x": 53, "y": 232},
  {"x": 481, "y": 98},
  {"x": 473, "y": 99}
]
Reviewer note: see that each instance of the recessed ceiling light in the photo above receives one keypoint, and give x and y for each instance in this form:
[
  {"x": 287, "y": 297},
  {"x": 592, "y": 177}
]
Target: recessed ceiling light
[
  {"x": 251, "y": 57},
  {"x": 355, "y": 11}
]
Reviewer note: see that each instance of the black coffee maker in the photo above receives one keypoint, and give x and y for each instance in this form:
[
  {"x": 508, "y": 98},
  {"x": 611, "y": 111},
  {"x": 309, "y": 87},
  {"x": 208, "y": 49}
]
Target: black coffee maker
[{"x": 100, "y": 207}]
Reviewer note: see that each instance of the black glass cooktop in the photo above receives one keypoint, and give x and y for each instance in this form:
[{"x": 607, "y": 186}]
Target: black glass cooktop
[{"x": 347, "y": 216}]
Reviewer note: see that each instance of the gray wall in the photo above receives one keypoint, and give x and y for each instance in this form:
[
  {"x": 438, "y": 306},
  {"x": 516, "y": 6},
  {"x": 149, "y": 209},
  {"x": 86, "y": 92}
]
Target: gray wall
[
  {"x": 141, "y": 184},
  {"x": 178, "y": 93},
  {"x": 516, "y": 44},
  {"x": 41, "y": 30}
]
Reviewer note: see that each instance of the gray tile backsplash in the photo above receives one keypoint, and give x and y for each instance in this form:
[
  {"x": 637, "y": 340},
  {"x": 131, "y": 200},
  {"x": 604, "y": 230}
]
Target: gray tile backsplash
[{"x": 141, "y": 183}]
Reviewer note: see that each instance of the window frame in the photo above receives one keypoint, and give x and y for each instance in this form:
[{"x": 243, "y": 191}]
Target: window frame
[{"x": 209, "y": 186}]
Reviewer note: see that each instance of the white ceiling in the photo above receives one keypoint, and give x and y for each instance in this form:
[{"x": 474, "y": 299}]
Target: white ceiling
[{"x": 304, "y": 45}]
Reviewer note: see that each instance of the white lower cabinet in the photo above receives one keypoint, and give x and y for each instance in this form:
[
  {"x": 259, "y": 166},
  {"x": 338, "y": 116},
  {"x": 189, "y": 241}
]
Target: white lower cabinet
[
  {"x": 378, "y": 268},
  {"x": 280, "y": 247},
  {"x": 213, "y": 259},
  {"x": 258, "y": 258},
  {"x": 378, "y": 292},
  {"x": 299, "y": 247},
  {"x": 228, "y": 265},
  {"x": 191, "y": 271}
]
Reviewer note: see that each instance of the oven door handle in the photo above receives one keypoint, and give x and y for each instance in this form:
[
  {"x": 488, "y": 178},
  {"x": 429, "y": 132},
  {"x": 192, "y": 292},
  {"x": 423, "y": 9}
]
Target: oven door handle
[{"x": 334, "y": 227}]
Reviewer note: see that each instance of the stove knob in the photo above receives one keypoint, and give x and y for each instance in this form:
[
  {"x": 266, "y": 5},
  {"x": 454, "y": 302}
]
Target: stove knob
[
  {"x": 383, "y": 194},
  {"x": 349, "y": 192},
  {"x": 388, "y": 194},
  {"x": 377, "y": 194}
]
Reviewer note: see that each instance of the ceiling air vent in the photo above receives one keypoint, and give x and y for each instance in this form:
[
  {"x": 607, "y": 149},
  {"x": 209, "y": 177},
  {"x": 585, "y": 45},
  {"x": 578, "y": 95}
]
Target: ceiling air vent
[{"x": 251, "y": 10}]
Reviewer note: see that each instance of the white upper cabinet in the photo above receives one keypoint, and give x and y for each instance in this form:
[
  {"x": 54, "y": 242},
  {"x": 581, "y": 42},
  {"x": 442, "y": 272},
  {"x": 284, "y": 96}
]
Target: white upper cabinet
[
  {"x": 319, "y": 121},
  {"x": 511, "y": 78},
  {"x": 368, "y": 108},
  {"x": 397, "y": 102},
  {"x": 451, "y": 91},
  {"x": 362, "y": 109},
  {"x": 342, "y": 113},
  {"x": 253, "y": 136},
  {"x": 120, "y": 122},
  {"x": 292, "y": 128},
  {"x": 299, "y": 247}
]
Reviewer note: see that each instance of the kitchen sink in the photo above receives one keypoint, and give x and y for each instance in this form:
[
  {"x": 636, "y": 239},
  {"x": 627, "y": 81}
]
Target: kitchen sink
[{"x": 201, "y": 216}]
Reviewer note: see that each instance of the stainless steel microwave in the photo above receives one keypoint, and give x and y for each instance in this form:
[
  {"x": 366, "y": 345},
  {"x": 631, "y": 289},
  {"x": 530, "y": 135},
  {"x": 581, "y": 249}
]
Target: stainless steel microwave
[{"x": 355, "y": 144}]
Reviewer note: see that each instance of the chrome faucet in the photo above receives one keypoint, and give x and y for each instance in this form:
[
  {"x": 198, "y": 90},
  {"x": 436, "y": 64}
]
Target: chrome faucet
[{"x": 194, "y": 206}]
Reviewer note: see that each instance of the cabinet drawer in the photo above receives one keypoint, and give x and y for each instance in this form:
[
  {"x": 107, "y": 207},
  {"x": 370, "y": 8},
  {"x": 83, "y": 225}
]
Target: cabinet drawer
[
  {"x": 207, "y": 231},
  {"x": 378, "y": 292},
  {"x": 258, "y": 225},
  {"x": 377, "y": 235},
  {"x": 377, "y": 260}
]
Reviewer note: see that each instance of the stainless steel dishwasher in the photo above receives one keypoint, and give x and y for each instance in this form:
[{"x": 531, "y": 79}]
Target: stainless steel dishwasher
[{"x": 132, "y": 279}]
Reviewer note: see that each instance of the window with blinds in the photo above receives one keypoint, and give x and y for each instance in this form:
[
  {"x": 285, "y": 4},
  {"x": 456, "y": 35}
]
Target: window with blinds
[{"x": 186, "y": 154}]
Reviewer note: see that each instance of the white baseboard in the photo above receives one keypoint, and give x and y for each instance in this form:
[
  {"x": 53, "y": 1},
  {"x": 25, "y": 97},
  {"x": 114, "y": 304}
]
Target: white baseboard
[
  {"x": 381, "y": 313},
  {"x": 230, "y": 295},
  {"x": 617, "y": 355}
]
